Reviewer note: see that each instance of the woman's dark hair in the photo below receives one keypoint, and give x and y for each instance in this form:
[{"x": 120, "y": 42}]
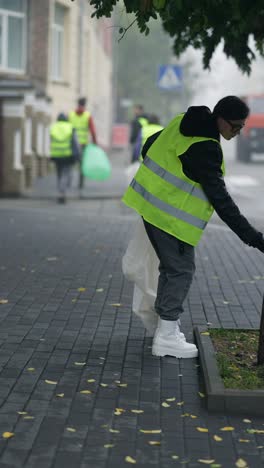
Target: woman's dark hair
[
  {"x": 82, "y": 101},
  {"x": 231, "y": 108}
]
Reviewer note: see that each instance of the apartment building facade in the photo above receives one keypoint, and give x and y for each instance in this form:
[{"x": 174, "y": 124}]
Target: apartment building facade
[{"x": 51, "y": 53}]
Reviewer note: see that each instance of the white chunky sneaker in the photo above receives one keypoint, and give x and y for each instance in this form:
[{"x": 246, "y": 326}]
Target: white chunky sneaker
[
  {"x": 168, "y": 341},
  {"x": 177, "y": 328}
]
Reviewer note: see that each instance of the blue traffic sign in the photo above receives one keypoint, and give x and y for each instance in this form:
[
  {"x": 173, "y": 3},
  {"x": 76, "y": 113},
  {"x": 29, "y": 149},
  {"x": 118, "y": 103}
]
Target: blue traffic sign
[{"x": 170, "y": 77}]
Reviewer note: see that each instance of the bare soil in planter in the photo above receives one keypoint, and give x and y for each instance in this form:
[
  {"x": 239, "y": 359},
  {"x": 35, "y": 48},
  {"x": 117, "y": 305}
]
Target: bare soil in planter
[{"x": 236, "y": 354}]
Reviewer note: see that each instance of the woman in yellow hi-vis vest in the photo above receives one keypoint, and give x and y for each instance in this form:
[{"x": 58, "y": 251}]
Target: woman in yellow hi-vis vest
[
  {"x": 64, "y": 151},
  {"x": 176, "y": 189},
  {"x": 83, "y": 123}
]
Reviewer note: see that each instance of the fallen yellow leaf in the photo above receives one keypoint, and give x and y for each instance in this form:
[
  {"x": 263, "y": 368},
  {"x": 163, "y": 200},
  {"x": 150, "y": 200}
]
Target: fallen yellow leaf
[
  {"x": 81, "y": 289},
  {"x": 154, "y": 442},
  {"x": 90, "y": 380},
  {"x": 122, "y": 385},
  {"x": 60, "y": 395},
  {"x": 103, "y": 384},
  {"x": 80, "y": 363},
  {"x": 247, "y": 420},
  {"x": 154, "y": 431},
  {"x": 114, "y": 431},
  {"x": 99, "y": 290},
  {"x": 175, "y": 457},
  {"x": 171, "y": 399},
  {"x": 70, "y": 429},
  {"x": 51, "y": 382},
  {"x": 129, "y": 459},
  {"x": 86, "y": 392},
  {"x": 137, "y": 411},
  {"x": 240, "y": 463},
  {"x": 117, "y": 304},
  {"x": 108, "y": 445},
  {"x": 29, "y": 417},
  {"x": 180, "y": 403},
  {"x": 3, "y": 301},
  {"x": 30, "y": 369},
  {"x": 205, "y": 461},
  {"x": 205, "y": 333},
  {"x": 193, "y": 416},
  {"x": 217, "y": 438},
  {"x": 202, "y": 429},
  {"x": 227, "y": 428},
  {"x": 21, "y": 412},
  {"x": 243, "y": 440},
  {"x": 165, "y": 405},
  {"x": 8, "y": 435},
  {"x": 202, "y": 395}
]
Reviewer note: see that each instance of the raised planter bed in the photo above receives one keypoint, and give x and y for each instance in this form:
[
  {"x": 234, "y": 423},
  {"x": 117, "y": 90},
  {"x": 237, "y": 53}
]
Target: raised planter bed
[{"x": 219, "y": 398}]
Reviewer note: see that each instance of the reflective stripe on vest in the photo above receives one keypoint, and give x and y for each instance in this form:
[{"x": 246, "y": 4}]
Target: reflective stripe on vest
[
  {"x": 190, "y": 219},
  {"x": 81, "y": 125},
  {"x": 60, "y": 139},
  {"x": 163, "y": 195},
  {"x": 174, "y": 180}
]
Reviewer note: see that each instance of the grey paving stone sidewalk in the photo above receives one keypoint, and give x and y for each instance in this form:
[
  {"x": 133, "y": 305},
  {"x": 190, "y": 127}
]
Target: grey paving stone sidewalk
[{"x": 79, "y": 387}]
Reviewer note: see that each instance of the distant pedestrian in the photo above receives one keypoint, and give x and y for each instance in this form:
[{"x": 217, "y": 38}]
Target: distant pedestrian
[
  {"x": 140, "y": 120},
  {"x": 150, "y": 128},
  {"x": 82, "y": 121},
  {"x": 176, "y": 189},
  {"x": 64, "y": 151}
]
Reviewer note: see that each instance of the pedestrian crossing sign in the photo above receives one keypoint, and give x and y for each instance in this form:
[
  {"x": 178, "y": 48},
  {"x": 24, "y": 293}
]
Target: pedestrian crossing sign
[{"x": 170, "y": 77}]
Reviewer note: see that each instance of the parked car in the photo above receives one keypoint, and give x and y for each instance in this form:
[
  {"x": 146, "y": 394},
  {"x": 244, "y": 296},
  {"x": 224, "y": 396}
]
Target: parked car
[{"x": 251, "y": 138}]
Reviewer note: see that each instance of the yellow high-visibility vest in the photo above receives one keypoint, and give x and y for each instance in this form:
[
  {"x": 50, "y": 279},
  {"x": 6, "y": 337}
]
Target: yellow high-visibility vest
[
  {"x": 81, "y": 125},
  {"x": 163, "y": 195},
  {"x": 61, "y": 139},
  {"x": 146, "y": 132},
  {"x": 143, "y": 121}
]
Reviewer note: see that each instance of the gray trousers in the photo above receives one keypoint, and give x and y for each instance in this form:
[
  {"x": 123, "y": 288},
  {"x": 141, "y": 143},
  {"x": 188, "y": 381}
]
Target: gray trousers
[
  {"x": 176, "y": 270},
  {"x": 64, "y": 174}
]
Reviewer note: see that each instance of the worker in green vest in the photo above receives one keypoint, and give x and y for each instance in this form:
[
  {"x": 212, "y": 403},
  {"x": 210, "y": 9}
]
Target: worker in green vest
[
  {"x": 64, "y": 151},
  {"x": 150, "y": 128},
  {"x": 176, "y": 189},
  {"x": 139, "y": 120},
  {"x": 82, "y": 121}
]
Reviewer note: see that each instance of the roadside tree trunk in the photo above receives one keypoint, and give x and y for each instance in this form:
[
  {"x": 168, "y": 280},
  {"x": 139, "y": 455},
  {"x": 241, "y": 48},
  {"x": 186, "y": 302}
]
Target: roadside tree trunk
[{"x": 260, "y": 359}]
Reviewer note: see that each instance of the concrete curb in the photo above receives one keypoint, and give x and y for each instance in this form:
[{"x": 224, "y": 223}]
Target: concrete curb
[{"x": 219, "y": 398}]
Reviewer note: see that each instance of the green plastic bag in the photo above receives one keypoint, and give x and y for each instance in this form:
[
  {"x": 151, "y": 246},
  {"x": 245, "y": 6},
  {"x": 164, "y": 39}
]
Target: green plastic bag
[{"x": 95, "y": 163}]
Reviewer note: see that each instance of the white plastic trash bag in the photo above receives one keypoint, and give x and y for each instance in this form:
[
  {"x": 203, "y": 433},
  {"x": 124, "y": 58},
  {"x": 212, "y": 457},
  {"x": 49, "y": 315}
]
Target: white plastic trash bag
[
  {"x": 140, "y": 265},
  {"x": 143, "y": 307}
]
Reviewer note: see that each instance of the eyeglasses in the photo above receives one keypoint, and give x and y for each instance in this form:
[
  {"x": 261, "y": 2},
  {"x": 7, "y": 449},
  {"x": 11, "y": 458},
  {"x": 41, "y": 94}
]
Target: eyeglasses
[{"x": 235, "y": 127}]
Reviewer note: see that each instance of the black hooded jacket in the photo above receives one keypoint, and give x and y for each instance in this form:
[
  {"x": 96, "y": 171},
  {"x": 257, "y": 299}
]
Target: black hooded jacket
[{"x": 202, "y": 163}]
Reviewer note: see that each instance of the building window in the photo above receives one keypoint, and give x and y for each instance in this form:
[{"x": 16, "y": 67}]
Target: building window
[
  {"x": 13, "y": 35},
  {"x": 58, "y": 41}
]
